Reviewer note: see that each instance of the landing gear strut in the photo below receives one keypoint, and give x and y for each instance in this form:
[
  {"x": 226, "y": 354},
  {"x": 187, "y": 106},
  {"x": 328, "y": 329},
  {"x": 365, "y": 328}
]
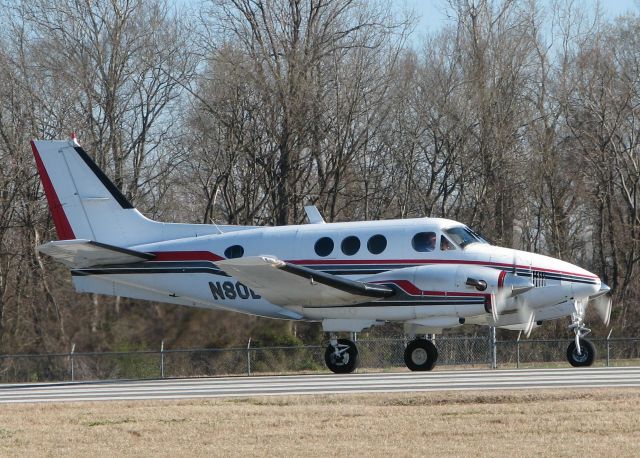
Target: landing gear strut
[
  {"x": 341, "y": 356},
  {"x": 581, "y": 352},
  {"x": 420, "y": 355}
]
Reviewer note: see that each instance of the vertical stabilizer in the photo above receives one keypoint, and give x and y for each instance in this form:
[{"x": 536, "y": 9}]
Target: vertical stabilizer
[{"x": 85, "y": 204}]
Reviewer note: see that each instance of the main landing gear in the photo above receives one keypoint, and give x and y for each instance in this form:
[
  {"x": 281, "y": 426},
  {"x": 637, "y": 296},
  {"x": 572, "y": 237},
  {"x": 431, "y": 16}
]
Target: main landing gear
[
  {"x": 341, "y": 355},
  {"x": 420, "y": 355}
]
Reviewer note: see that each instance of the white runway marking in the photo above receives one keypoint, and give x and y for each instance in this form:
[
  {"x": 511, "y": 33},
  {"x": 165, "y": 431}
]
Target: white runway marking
[{"x": 323, "y": 384}]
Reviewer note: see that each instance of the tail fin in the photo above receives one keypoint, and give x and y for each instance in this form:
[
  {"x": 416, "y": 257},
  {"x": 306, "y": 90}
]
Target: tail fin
[{"x": 85, "y": 204}]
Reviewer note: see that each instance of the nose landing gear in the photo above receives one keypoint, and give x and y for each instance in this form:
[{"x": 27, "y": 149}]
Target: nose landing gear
[{"x": 581, "y": 352}]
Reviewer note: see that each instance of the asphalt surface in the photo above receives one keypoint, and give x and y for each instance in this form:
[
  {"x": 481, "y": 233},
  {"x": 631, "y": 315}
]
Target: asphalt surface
[{"x": 482, "y": 380}]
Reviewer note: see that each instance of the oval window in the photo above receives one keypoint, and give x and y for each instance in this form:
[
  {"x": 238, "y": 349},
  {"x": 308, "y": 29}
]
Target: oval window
[
  {"x": 234, "y": 251},
  {"x": 324, "y": 246},
  {"x": 424, "y": 241},
  {"x": 350, "y": 245},
  {"x": 377, "y": 244}
]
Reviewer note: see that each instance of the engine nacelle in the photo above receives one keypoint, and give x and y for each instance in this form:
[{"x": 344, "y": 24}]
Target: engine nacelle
[
  {"x": 462, "y": 290},
  {"x": 457, "y": 278}
]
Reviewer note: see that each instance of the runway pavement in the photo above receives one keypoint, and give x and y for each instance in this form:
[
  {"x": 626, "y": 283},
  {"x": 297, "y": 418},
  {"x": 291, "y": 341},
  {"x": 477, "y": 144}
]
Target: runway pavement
[{"x": 482, "y": 380}]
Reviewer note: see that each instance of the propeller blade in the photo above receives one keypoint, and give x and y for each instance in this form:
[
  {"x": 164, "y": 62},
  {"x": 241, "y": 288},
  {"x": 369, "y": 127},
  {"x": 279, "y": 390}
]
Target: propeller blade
[
  {"x": 527, "y": 317},
  {"x": 602, "y": 302},
  {"x": 500, "y": 301},
  {"x": 603, "y": 306},
  {"x": 494, "y": 308}
]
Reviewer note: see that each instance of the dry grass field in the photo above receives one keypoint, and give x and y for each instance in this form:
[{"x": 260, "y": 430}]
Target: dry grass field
[{"x": 540, "y": 423}]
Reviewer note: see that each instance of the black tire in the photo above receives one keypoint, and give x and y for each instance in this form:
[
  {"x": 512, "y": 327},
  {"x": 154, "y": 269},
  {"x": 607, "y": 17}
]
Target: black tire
[
  {"x": 420, "y": 355},
  {"x": 587, "y": 356},
  {"x": 344, "y": 363}
]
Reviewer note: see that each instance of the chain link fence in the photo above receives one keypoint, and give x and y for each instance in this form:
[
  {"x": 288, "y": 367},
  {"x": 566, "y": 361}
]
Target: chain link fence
[{"x": 375, "y": 355}]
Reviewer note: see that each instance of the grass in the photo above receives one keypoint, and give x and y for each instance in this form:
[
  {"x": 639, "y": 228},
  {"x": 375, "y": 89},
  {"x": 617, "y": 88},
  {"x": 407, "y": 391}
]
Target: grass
[{"x": 539, "y": 423}]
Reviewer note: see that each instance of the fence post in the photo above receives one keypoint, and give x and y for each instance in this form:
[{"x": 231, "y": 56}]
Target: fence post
[
  {"x": 608, "y": 347},
  {"x": 162, "y": 359},
  {"x": 494, "y": 356},
  {"x": 249, "y": 357},
  {"x": 72, "y": 358},
  {"x": 518, "y": 350}
]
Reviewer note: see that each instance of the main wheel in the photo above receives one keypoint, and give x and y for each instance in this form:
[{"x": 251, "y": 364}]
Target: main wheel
[
  {"x": 420, "y": 355},
  {"x": 585, "y": 357},
  {"x": 344, "y": 360}
]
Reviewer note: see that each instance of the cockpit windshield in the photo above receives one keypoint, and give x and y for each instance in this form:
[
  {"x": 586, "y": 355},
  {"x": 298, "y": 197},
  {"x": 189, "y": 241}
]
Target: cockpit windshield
[{"x": 463, "y": 236}]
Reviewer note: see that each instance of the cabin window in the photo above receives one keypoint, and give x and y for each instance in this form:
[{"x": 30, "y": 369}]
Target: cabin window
[
  {"x": 350, "y": 245},
  {"x": 234, "y": 251},
  {"x": 324, "y": 246},
  {"x": 445, "y": 244},
  {"x": 377, "y": 244},
  {"x": 424, "y": 241}
]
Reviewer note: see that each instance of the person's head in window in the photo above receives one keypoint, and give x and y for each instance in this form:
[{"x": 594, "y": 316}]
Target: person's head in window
[
  {"x": 424, "y": 241},
  {"x": 431, "y": 241}
]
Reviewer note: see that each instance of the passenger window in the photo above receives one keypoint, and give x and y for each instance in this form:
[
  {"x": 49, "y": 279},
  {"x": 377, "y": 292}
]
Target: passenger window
[
  {"x": 234, "y": 251},
  {"x": 424, "y": 241},
  {"x": 445, "y": 244},
  {"x": 350, "y": 245},
  {"x": 324, "y": 246},
  {"x": 377, "y": 244}
]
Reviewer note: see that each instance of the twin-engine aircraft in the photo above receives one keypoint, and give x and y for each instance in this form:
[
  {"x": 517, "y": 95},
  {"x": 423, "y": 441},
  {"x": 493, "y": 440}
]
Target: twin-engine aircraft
[{"x": 428, "y": 273}]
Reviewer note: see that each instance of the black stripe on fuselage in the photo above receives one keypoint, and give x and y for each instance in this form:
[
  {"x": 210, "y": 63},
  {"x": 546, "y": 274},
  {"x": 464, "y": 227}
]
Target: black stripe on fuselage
[
  {"x": 183, "y": 267},
  {"x": 158, "y": 267}
]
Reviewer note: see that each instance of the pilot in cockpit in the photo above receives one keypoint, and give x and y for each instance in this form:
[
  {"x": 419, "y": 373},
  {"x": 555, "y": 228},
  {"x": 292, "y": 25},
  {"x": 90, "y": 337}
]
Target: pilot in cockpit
[{"x": 445, "y": 244}]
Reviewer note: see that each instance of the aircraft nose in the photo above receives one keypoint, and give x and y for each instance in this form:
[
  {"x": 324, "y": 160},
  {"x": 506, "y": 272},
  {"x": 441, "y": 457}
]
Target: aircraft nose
[
  {"x": 604, "y": 289},
  {"x": 516, "y": 285}
]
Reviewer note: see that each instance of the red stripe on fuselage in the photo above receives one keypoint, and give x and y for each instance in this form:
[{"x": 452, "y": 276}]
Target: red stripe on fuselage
[
  {"x": 209, "y": 256},
  {"x": 413, "y": 262},
  {"x": 63, "y": 228}
]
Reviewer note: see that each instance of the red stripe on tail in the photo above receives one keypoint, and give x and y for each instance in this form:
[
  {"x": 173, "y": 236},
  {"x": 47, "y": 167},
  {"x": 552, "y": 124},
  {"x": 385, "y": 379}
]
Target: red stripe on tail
[{"x": 63, "y": 228}]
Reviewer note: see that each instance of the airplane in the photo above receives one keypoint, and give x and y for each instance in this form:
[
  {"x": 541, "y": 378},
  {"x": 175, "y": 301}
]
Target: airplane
[{"x": 430, "y": 274}]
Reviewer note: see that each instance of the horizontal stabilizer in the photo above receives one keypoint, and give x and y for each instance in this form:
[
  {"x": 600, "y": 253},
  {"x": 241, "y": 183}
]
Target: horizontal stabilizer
[
  {"x": 79, "y": 253},
  {"x": 287, "y": 284}
]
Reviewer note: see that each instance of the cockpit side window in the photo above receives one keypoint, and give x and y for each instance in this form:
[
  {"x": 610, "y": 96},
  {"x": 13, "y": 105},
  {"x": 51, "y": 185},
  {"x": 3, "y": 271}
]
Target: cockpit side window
[
  {"x": 445, "y": 244},
  {"x": 424, "y": 241}
]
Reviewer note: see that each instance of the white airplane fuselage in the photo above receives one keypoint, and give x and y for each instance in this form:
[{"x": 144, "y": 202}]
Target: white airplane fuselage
[{"x": 185, "y": 272}]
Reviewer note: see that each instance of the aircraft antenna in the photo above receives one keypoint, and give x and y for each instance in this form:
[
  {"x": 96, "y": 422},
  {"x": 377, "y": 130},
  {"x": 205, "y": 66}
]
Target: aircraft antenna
[{"x": 217, "y": 228}]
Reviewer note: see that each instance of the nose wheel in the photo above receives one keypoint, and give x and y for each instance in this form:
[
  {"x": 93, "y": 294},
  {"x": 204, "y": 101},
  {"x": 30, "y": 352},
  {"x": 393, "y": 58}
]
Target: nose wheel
[
  {"x": 341, "y": 356},
  {"x": 581, "y": 355}
]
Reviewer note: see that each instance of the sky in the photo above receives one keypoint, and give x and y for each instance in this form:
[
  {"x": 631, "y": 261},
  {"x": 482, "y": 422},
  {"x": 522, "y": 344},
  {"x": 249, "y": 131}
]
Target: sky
[{"x": 432, "y": 17}]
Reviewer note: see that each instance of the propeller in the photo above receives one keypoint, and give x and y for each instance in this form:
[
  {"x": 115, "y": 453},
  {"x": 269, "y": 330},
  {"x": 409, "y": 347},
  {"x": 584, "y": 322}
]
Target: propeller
[
  {"x": 602, "y": 303},
  {"x": 510, "y": 286},
  {"x": 527, "y": 317}
]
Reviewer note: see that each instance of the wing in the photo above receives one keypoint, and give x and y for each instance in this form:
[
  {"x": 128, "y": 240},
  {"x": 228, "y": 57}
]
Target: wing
[
  {"x": 79, "y": 253},
  {"x": 287, "y": 284}
]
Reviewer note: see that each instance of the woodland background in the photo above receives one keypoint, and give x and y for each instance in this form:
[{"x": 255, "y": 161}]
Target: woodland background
[{"x": 519, "y": 118}]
